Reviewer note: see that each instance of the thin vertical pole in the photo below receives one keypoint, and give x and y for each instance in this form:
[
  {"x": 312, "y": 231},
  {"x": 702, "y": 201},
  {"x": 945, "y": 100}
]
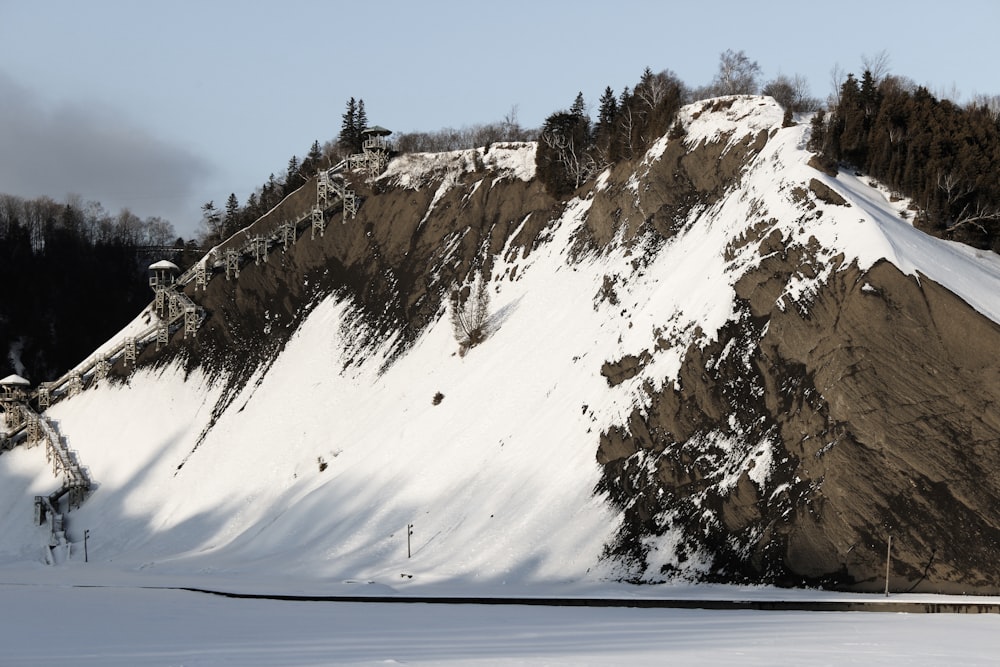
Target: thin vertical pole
[
  {"x": 409, "y": 531},
  {"x": 86, "y": 534},
  {"x": 888, "y": 552}
]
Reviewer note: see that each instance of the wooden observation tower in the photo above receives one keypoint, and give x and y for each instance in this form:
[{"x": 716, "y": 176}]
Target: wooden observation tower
[
  {"x": 170, "y": 303},
  {"x": 162, "y": 278},
  {"x": 374, "y": 155},
  {"x": 13, "y": 393},
  {"x": 13, "y": 388}
]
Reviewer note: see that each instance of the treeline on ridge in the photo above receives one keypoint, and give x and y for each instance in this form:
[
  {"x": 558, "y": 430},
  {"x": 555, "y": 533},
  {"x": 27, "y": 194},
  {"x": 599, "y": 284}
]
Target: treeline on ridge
[
  {"x": 942, "y": 156},
  {"x": 73, "y": 274},
  {"x": 218, "y": 225}
]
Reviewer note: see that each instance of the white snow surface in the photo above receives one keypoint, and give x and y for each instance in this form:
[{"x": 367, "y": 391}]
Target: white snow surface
[
  {"x": 129, "y": 626},
  {"x": 497, "y": 479}
]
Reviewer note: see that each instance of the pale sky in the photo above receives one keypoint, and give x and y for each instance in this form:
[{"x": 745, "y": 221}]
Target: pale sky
[{"x": 163, "y": 106}]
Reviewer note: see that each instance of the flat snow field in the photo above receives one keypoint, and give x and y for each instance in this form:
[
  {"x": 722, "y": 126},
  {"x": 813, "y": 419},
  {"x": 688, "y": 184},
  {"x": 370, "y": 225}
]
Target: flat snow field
[{"x": 126, "y": 625}]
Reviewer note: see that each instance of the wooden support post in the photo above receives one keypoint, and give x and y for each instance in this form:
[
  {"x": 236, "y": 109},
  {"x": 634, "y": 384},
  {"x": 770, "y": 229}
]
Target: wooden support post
[
  {"x": 888, "y": 555},
  {"x": 34, "y": 430},
  {"x": 159, "y": 301},
  {"x": 287, "y": 235},
  {"x": 39, "y": 510},
  {"x": 190, "y": 317},
  {"x": 322, "y": 187},
  {"x": 173, "y": 307},
  {"x": 258, "y": 247},
  {"x": 75, "y": 384},
  {"x": 350, "y": 204},
  {"x": 130, "y": 350},
  {"x": 338, "y": 187},
  {"x": 232, "y": 264},
  {"x": 318, "y": 222},
  {"x": 162, "y": 335},
  {"x": 201, "y": 275}
]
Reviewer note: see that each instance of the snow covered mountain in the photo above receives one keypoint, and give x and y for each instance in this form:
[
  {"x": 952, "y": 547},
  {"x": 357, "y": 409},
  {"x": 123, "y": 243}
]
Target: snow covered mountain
[{"x": 715, "y": 363}]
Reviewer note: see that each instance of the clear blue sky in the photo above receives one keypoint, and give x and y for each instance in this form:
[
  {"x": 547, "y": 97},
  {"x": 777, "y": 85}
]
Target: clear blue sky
[{"x": 162, "y": 106}]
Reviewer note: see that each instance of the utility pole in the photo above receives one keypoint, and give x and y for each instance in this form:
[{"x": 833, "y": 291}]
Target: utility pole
[
  {"x": 409, "y": 531},
  {"x": 86, "y": 534},
  {"x": 888, "y": 552}
]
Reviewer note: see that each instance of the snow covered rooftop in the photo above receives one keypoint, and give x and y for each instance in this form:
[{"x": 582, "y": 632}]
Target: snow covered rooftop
[
  {"x": 163, "y": 265},
  {"x": 14, "y": 381}
]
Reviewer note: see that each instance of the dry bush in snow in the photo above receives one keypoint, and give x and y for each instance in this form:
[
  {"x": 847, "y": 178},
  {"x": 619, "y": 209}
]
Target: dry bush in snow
[{"x": 470, "y": 311}]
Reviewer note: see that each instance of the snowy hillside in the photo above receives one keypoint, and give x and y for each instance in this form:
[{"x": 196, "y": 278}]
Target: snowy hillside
[{"x": 502, "y": 459}]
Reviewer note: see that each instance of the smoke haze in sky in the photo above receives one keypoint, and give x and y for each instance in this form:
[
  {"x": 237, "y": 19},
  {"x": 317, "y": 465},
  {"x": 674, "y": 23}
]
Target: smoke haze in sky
[{"x": 61, "y": 149}]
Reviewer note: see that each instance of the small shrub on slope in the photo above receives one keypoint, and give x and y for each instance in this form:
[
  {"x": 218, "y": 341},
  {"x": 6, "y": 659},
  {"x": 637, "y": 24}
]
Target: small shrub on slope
[{"x": 470, "y": 308}]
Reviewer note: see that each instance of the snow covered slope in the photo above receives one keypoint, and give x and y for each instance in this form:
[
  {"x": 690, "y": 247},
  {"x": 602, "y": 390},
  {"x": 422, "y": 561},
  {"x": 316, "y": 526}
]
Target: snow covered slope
[{"x": 546, "y": 453}]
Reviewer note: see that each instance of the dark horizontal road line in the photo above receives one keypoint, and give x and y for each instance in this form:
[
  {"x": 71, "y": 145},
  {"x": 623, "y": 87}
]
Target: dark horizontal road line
[{"x": 892, "y": 607}]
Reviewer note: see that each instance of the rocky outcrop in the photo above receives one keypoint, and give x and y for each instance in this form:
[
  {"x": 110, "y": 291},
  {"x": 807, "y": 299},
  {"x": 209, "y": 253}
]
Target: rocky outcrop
[
  {"x": 395, "y": 262},
  {"x": 876, "y": 409}
]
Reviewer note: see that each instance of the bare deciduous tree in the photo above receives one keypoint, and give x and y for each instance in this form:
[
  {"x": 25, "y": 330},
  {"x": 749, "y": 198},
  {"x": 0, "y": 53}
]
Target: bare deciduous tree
[
  {"x": 579, "y": 164},
  {"x": 470, "y": 311},
  {"x": 837, "y": 77},
  {"x": 791, "y": 93},
  {"x": 627, "y": 122},
  {"x": 953, "y": 187},
  {"x": 654, "y": 88},
  {"x": 976, "y": 214},
  {"x": 738, "y": 75},
  {"x": 877, "y": 64},
  {"x": 988, "y": 103}
]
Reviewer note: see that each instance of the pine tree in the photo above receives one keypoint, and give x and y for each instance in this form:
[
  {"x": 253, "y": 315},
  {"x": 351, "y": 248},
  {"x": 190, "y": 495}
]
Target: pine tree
[
  {"x": 349, "y": 128},
  {"x": 315, "y": 152},
  {"x": 817, "y": 132},
  {"x": 253, "y": 206},
  {"x": 232, "y": 205},
  {"x": 294, "y": 178},
  {"x": 232, "y": 222},
  {"x": 361, "y": 122},
  {"x": 211, "y": 223},
  {"x": 607, "y": 111},
  {"x": 851, "y": 123},
  {"x": 604, "y": 132},
  {"x": 312, "y": 161}
]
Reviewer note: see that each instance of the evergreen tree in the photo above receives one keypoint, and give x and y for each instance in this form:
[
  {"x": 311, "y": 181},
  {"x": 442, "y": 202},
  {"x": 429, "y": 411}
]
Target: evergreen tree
[
  {"x": 233, "y": 218},
  {"x": 607, "y": 111},
  {"x": 817, "y": 132},
  {"x": 355, "y": 122},
  {"x": 232, "y": 207},
  {"x": 361, "y": 122},
  {"x": 253, "y": 206},
  {"x": 293, "y": 179},
  {"x": 349, "y": 134},
  {"x": 211, "y": 223},
  {"x": 563, "y": 158},
  {"x": 313, "y": 159}
]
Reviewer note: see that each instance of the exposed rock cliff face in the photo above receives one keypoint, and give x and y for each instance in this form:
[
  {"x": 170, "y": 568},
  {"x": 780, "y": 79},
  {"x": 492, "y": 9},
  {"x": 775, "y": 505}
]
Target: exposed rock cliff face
[
  {"x": 826, "y": 401},
  {"x": 876, "y": 408},
  {"x": 410, "y": 243},
  {"x": 791, "y": 447}
]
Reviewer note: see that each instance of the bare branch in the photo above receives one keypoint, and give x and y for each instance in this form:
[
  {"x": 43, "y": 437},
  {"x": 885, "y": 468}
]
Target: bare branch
[
  {"x": 976, "y": 216},
  {"x": 877, "y": 64}
]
